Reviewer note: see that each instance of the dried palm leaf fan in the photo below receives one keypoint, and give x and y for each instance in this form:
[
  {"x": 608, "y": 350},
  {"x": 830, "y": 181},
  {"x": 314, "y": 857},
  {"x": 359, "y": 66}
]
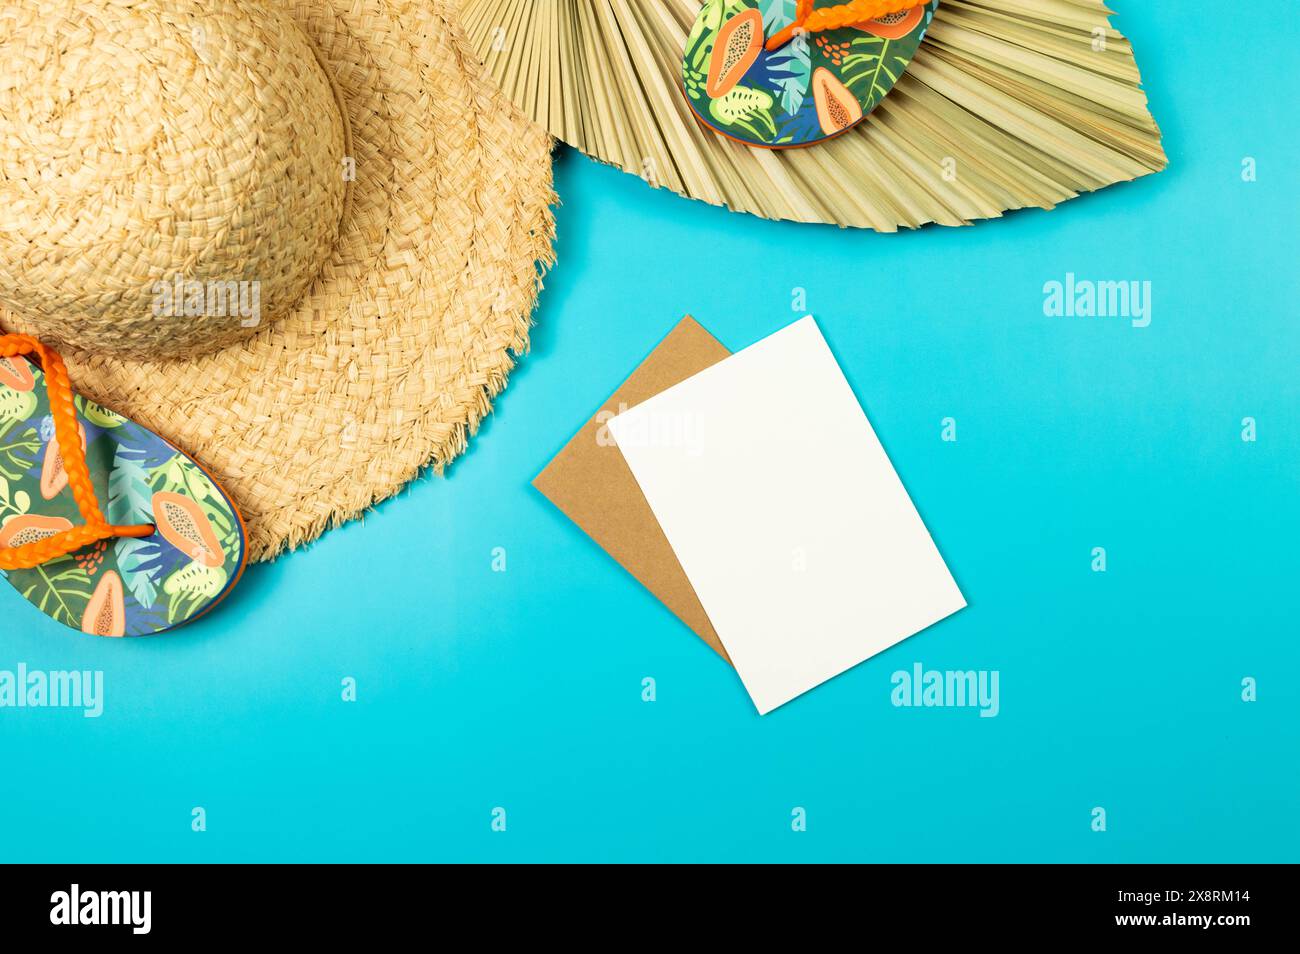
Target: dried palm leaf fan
[{"x": 1007, "y": 104}]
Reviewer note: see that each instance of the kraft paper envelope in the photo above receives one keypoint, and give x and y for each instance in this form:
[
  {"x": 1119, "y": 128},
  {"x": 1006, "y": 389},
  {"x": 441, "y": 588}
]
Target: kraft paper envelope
[
  {"x": 786, "y": 514},
  {"x": 590, "y": 481}
]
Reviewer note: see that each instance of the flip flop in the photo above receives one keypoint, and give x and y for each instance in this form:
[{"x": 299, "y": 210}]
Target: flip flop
[
  {"x": 780, "y": 74},
  {"x": 167, "y": 548}
]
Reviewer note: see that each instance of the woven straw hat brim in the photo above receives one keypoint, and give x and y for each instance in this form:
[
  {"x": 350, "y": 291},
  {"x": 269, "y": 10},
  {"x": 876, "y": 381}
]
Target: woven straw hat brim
[
  {"x": 1008, "y": 104},
  {"x": 409, "y": 332}
]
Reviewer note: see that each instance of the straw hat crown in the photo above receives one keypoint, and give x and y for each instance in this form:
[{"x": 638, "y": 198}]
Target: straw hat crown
[{"x": 150, "y": 147}]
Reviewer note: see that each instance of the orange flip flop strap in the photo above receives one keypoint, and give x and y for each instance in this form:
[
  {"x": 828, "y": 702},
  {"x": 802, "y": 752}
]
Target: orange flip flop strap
[
  {"x": 837, "y": 17},
  {"x": 64, "y": 413}
]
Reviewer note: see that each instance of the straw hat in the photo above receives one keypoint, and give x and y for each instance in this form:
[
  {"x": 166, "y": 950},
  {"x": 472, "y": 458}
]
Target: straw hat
[{"x": 300, "y": 239}]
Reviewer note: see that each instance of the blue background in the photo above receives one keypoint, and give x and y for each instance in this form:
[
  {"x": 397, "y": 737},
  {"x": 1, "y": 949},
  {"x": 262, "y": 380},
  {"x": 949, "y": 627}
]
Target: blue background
[{"x": 522, "y": 689}]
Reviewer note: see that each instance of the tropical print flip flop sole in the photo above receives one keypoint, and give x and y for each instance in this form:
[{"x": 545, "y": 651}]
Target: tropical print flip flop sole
[
  {"x": 132, "y": 586},
  {"x": 813, "y": 88}
]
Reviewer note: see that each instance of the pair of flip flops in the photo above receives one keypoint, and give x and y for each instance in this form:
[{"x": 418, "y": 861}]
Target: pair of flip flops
[
  {"x": 104, "y": 526},
  {"x": 786, "y": 73}
]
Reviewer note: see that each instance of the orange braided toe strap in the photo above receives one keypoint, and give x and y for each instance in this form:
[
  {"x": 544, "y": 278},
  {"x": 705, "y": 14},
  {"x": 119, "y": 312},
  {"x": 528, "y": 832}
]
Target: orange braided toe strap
[
  {"x": 838, "y": 17},
  {"x": 64, "y": 413}
]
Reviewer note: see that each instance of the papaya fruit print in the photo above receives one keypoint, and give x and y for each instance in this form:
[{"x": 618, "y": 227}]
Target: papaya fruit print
[
  {"x": 124, "y": 587},
  {"x": 813, "y": 88}
]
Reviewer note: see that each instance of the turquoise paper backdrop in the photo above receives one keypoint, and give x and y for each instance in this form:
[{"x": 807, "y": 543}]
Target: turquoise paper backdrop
[{"x": 522, "y": 689}]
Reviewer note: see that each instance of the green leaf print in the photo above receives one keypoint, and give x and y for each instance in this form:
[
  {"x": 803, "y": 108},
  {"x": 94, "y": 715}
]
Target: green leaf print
[
  {"x": 714, "y": 12},
  {"x": 15, "y": 406},
  {"x": 170, "y": 477},
  {"x": 226, "y": 529},
  {"x": 17, "y": 452},
  {"x": 875, "y": 63},
  {"x": 777, "y": 14},
  {"x": 99, "y": 416},
  {"x": 798, "y": 62},
  {"x": 13, "y": 503},
  {"x": 695, "y": 82},
  {"x": 139, "y": 568},
  {"x": 742, "y": 107},
  {"x": 60, "y": 589},
  {"x": 130, "y": 496},
  {"x": 190, "y": 587}
]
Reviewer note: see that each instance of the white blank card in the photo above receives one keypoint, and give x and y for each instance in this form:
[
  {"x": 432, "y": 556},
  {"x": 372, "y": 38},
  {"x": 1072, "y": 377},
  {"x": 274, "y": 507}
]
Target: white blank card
[{"x": 787, "y": 516}]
